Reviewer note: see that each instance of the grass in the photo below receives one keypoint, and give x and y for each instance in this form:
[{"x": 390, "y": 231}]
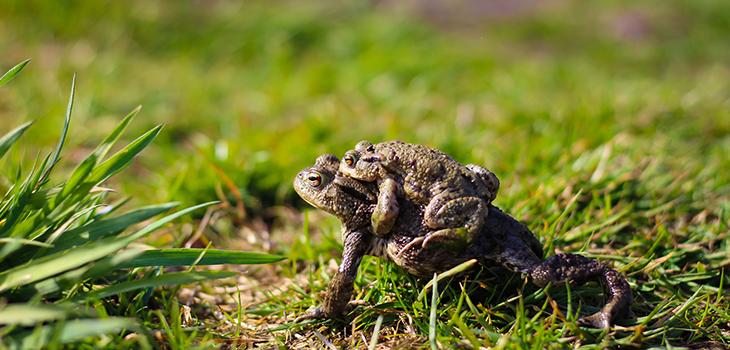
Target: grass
[
  {"x": 65, "y": 257},
  {"x": 607, "y": 123}
]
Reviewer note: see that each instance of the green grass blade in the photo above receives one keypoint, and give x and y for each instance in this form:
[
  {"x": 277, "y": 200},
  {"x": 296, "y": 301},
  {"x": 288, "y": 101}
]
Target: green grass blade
[
  {"x": 456, "y": 319},
  {"x": 376, "y": 333},
  {"x": 62, "y": 261},
  {"x": 37, "y": 178},
  {"x": 93, "y": 270},
  {"x": 77, "y": 177},
  {"x": 69, "y": 332},
  {"x": 9, "y": 139},
  {"x": 27, "y": 315},
  {"x": 110, "y": 140},
  {"x": 170, "y": 279},
  {"x": 31, "y": 227},
  {"x": 13, "y": 72},
  {"x": 64, "y": 131},
  {"x": 97, "y": 230},
  {"x": 121, "y": 159},
  {"x": 77, "y": 183},
  {"x": 81, "y": 329},
  {"x": 432, "y": 319},
  {"x": 85, "y": 168},
  {"x": 23, "y": 241},
  {"x": 103, "y": 228},
  {"x": 159, "y": 223},
  {"x": 20, "y": 200},
  {"x": 39, "y": 198},
  {"x": 177, "y": 257},
  {"x": 452, "y": 272}
]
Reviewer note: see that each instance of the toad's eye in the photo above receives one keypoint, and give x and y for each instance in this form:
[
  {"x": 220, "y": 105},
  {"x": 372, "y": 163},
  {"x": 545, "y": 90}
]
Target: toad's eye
[
  {"x": 314, "y": 179},
  {"x": 349, "y": 159}
]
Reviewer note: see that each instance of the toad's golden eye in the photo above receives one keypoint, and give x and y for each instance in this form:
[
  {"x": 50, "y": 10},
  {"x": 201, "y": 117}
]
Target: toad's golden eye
[
  {"x": 349, "y": 159},
  {"x": 315, "y": 179}
]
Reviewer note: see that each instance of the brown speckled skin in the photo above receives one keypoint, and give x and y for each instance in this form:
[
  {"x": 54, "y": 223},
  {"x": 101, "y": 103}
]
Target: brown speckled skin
[
  {"x": 455, "y": 196},
  {"x": 503, "y": 241}
]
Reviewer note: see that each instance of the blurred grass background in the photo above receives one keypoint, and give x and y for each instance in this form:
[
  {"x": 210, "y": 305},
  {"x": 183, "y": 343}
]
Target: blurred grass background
[
  {"x": 608, "y": 122},
  {"x": 262, "y": 87}
]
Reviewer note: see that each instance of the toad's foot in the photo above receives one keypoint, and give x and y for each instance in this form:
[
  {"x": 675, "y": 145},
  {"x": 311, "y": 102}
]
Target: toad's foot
[
  {"x": 315, "y": 314},
  {"x": 450, "y": 238},
  {"x": 577, "y": 269},
  {"x": 320, "y": 313},
  {"x": 457, "y": 221},
  {"x": 600, "y": 320},
  {"x": 414, "y": 243}
]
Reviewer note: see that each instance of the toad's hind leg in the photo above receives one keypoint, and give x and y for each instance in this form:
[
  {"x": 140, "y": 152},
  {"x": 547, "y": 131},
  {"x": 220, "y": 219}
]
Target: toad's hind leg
[
  {"x": 460, "y": 221},
  {"x": 577, "y": 269}
]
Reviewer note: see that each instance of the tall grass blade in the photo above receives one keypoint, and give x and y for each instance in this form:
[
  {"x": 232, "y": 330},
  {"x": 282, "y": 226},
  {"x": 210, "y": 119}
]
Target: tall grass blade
[
  {"x": 164, "y": 221},
  {"x": 13, "y": 72},
  {"x": 447, "y": 274},
  {"x": 170, "y": 279},
  {"x": 23, "y": 241},
  {"x": 28, "y": 315},
  {"x": 107, "y": 227},
  {"x": 9, "y": 139},
  {"x": 121, "y": 159},
  {"x": 80, "y": 174},
  {"x": 110, "y": 140},
  {"x": 177, "y": 257},
  {"x": 376, "y": 333},
  {"x": 62, "y": 261},
  {"x": 432, "y": 319},
  {"x": 95, "y": 269},
  {"x": 64, "y": 130},
  {"x": 16, "y": 211},
  {"x": 69, "y": 332}
]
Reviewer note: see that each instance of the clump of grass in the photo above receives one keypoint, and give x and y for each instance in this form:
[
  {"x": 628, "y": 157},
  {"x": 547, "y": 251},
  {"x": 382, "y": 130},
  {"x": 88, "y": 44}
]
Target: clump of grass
[{"x": 67, "y": 270}]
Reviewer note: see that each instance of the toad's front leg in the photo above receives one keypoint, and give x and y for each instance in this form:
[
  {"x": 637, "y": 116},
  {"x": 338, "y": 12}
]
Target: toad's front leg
[
  {"x": 386, "y": 211},
  {"x": 340, "y": 288}
]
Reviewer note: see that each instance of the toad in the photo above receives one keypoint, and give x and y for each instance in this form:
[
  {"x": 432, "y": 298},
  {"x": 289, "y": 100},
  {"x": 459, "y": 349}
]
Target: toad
[
  {"x": 502, "y": 241},
  {"x": 456, "y": 196}
]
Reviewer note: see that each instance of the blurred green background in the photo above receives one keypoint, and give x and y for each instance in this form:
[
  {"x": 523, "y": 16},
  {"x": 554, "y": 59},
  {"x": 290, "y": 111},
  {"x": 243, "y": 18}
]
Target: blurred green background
[{"x": 262, "y": 88}]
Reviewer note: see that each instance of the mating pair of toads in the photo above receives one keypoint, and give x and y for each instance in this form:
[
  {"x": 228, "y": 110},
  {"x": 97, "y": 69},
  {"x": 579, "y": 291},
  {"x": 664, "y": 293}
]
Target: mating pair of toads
[{"x": 421, "y": 209}]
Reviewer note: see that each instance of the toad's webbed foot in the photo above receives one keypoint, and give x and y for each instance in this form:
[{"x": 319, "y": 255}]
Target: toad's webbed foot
[
  {"x": 320, "y": 313},
  {"x": 315, "y": 314},
  {"x": 577, "y": 269},
  {"x": 449, "y": 238},
  {"x": 458, "y": 221}
]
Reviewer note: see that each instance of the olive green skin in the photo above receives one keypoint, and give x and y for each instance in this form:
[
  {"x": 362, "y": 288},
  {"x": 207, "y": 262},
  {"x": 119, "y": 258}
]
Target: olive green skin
[
  {"x": 502, "y": 241},
  {"x": 455, "y": 196}
]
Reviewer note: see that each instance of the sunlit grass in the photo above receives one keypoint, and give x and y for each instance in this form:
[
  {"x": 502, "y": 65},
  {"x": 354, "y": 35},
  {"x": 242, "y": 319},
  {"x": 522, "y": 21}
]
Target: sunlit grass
[
  {"x": 65, "y": 259},
  {"x": 606, "y": 122}
]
